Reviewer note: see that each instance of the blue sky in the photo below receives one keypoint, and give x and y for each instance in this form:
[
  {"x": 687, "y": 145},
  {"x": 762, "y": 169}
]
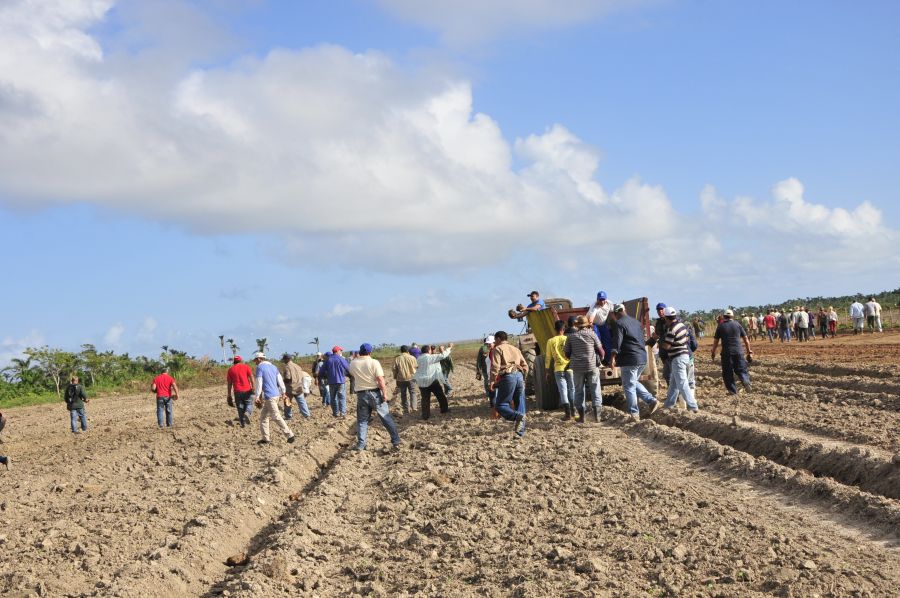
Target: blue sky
[{"x": 369, "y": 171}]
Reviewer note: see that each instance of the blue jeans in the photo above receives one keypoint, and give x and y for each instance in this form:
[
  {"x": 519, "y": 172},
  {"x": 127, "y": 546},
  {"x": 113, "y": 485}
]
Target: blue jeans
[
  {"x": 300, "y": 399},
  {"x": 679, "y": 382},
  {"x": 338, "y": 394},
  {"x": 323, "y": 389},
  {"x": 734, "y": 363},
  {"x": 770, "y": 332},
  {"x": 490, "y": 394},
  {"x": 76, "y": 415},
  {"x": 591, "y": 378},
  {"x": 565, "y": 383},
  {"x": 605, "y": 336},
  {"x": 244, "y": 403},
  {"x": 510, "y": 387},
  {"x": 632, "y": 387},
  {"x": 164, "y": 405},
  {"x": 368, "y": 401}
]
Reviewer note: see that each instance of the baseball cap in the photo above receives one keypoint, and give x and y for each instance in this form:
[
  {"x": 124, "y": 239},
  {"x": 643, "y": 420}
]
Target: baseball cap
[
  {"x": 489, "y": 339},
  {"x": 259, "y": 355},
  {"x": 670, "y": 312},
  {"x": 532, "y": 293},
  {"x": 660, "y": 306},
  {"x": 729, "y": 312},
  {"x": 318, "y": 354},
  {"x": 365, "y": 349},
  {"x": 238, "y": 358},
  {"x": 337, "y": 349},
  {"x": 601, "y": 295},
  {"x": 619, "y": 307}
]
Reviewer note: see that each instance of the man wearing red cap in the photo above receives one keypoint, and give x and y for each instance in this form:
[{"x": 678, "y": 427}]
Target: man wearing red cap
[
  {"x": 240, "y": 389},
  {"x": 336, "y": 369}
]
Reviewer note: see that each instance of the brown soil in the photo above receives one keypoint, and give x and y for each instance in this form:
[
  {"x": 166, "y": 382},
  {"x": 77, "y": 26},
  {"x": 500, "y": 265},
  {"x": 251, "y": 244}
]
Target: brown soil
[{"x": 790, "y": 490}]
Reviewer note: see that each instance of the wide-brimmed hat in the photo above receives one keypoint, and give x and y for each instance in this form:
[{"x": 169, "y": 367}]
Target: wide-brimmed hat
[{"x": 582, "y": 322}]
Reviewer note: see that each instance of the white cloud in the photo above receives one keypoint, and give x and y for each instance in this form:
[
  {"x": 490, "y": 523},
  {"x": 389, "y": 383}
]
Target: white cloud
[
  {"x": 147, "y": 331},
  {"x": 14, "y": 348},
  {"x": 113, "y": 336},
  {"x": 472, "y": 21},
  {"x": 342, "y": 310}
]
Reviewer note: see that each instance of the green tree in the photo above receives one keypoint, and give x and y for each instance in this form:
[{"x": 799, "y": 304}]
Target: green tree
[{"x": 54, "y": 363}]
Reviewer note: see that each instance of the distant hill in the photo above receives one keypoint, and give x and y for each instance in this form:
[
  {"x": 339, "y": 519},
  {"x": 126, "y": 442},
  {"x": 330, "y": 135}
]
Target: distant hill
[{"x": 887, "y": 299}]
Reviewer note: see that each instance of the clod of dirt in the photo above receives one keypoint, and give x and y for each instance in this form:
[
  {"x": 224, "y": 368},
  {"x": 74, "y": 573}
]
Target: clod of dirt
[{"x": 237, "y": 560}]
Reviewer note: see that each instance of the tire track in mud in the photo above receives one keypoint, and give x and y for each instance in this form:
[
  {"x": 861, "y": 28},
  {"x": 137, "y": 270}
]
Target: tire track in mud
[{"x": 868, "y": 469}]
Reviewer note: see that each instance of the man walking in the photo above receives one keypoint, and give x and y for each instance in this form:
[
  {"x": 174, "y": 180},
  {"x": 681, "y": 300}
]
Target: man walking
[
  {"x": 321, "y": 378},
  {"x": 166, "y": 393},
  {"x": 630, "y": 356},
  {"x": 565, "y": 383},
  {"x": 241, "y": 381},
  {"x": 404, "y": 369},
  {"x": 430, "y": 378},
  {"x": 269, "y": 389},
  {"x": 336, "y": 369},
  {"x": 508, "y": 371},
  {"x": 676, "y": 344},
  {"x": 447, "y": 369},
  {"x": 770, "y": 324},
  {"x": 293, "y": 382},
  {"x": 873, "y": 315},
  {"x": 371, "y": 395},
  {"x": 730, "y": 334},
  {"x": 585, "y": 354},
  {"x": 858, "y": 315},
  {"x": 75, "y": 400}
]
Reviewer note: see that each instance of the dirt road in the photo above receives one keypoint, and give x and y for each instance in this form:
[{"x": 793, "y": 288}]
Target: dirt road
[{"x": 792, "y": 490}]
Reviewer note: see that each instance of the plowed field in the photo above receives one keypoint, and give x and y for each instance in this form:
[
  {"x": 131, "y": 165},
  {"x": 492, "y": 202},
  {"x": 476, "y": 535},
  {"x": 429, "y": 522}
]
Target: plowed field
[{"x": 790, "y": 490}]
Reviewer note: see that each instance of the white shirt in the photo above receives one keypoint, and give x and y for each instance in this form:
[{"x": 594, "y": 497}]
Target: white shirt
[
  {"x": 598, "y": 313},
  {"x": 856, "y": 310}
]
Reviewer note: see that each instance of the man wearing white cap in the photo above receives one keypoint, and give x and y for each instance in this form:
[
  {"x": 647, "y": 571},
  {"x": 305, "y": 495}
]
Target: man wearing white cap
[
  {"x": 269, "y": 389},
  {"x": 483, "y": 366},
  {"x": 676, "y": 345},
  {"x": 730, "y": 333}
]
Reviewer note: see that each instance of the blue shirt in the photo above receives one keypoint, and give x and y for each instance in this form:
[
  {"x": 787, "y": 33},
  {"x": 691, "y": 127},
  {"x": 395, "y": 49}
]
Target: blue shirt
[
  {"x": 336, "y": 368},
  {"x": 539, "y": 303},
  {"x": 268, "y": 374}
]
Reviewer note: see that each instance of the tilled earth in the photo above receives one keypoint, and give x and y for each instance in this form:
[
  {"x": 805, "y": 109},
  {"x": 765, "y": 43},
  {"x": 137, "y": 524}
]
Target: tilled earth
[{"x": 791, "y": 490}]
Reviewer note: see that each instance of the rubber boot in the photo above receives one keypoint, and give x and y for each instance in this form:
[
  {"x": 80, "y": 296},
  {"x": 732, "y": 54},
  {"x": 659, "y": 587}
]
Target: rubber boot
[
  {"x": 568, "y": 415},
  {"x": 596, "y": 410},
  {"x": 580, "y": 418}
]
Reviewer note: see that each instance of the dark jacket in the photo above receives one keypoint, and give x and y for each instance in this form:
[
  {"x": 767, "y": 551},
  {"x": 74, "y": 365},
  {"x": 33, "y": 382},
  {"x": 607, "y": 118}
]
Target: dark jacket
[
  {"x": 74, "y": 397},
  {"x": 628, "y": 342}
]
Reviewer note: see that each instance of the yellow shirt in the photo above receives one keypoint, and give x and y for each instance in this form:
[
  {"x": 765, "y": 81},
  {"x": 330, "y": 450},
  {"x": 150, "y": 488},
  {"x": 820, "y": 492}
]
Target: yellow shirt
[{"x": 555, "y": 352}]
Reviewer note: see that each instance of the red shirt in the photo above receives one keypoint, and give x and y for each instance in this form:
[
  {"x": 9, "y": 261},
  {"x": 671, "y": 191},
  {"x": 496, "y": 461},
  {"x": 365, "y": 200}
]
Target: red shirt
[
  {"x": 769, "y": 321},
  {"x": 239, "y": 376},
  {"x": 164, "y": 384}
]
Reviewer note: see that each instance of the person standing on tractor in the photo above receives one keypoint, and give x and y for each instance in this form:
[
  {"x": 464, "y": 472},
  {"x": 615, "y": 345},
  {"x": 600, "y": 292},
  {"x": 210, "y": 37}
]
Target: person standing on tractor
[
  {"x": 537, "y": 304},
  {"x": 585, "y": 354},
  {"x": 166, "y": 390},
  {"x": 565, "y": 383},
  {"x": 630, "y": 356},
  {"x": 75, "y": 400},
  {"x": 598, "y": 315},
  {"x": 730, "y": 334},
  {"x": 508, "y": 371},
  {"x": 241, "y": 381}
]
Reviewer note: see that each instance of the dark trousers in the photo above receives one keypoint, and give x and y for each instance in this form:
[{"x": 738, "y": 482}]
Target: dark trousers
[
  {"x": 734, "y": 363},
  {"x": 426, "y": 391}
]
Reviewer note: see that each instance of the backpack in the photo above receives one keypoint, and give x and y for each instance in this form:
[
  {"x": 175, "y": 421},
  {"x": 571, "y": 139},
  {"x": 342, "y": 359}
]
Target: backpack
[{"x": 71, "y": 393}]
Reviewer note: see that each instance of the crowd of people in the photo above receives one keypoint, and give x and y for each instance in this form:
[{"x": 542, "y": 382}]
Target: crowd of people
[{"x": 606, "y": 336}]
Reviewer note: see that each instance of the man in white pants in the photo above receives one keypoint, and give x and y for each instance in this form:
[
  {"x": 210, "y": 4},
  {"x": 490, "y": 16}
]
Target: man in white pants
[
  {"x": 858, "y": 315},
  {"x": 269, "y": 389}
]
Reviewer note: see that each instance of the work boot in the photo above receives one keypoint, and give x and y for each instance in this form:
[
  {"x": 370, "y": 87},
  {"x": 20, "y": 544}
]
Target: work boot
[
  {"x": 568, "y": 414},
  {"x": 596, "y": 410},
  {"x": 580, "y": 418}
]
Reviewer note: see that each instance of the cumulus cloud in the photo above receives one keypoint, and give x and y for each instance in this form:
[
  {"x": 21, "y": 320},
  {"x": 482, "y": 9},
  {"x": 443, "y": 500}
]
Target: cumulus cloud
[
  {"x": 113, "y": 336},
  {"x": 147, "y": 331},
  {"x": 342, "y": 310},
  {"x": 473, "y": 21},
  {"x": 328, "y": 144}
]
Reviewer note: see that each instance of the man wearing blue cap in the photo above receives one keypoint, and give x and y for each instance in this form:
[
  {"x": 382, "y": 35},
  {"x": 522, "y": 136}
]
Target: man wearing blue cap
[
  {"x": 598, "y": 316},
  {"x": 371, "y": 395}
]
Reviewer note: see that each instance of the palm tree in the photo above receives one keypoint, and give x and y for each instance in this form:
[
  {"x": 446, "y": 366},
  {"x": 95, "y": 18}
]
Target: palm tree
[
  {"x": 315, "y": 341},
  {"x": 263, "y": 344},
  {"x": 233, "y": 346},
  {"x": 222, "y": 343}
]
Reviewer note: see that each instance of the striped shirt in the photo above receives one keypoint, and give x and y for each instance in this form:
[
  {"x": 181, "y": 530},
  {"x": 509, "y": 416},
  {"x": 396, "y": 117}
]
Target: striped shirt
[{"x": 677, "y": 339}]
